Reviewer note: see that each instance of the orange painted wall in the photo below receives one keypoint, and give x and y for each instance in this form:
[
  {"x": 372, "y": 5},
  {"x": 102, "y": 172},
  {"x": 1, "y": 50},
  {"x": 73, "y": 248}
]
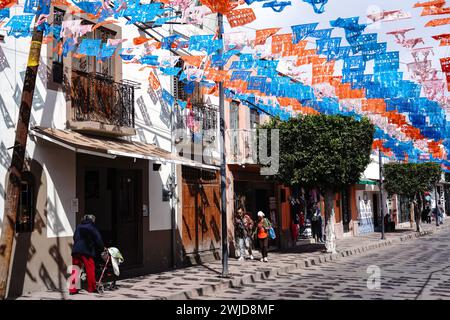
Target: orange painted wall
[{"x": 337, "y": 207}]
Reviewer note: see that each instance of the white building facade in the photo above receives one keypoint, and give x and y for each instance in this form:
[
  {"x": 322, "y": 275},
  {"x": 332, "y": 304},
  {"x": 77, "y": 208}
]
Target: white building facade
[{"x": 100, "y": 143}]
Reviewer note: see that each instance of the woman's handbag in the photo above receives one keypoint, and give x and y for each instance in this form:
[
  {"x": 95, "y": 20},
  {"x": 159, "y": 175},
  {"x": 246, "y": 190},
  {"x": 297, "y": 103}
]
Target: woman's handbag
[{"x": 272, "y": 234}]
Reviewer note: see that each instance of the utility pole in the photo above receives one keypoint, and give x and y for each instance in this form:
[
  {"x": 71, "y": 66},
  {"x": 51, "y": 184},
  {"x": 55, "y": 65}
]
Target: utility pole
[
  {"x": 13, "y": 183},
  {"x": 223, "y": 181},
  {"x": 380, "y": 160},
  {"x": 173, "y": 198}
]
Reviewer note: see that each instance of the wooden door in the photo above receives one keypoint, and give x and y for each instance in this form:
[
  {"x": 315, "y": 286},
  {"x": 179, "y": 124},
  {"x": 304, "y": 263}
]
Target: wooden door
[
  {"x": 201, "y": 211},
  {"x": 127, "y": 201}
]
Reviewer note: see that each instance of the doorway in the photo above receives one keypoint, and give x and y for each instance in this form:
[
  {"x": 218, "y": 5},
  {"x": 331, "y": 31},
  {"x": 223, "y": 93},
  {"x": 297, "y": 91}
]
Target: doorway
[
  {"x": 114, "y": 196},
  {"x": 376, "y": 215},
  {"x": 201, "y": 231},
  {"x": 126, "y": 204},
  {"x": 261, "y": 203},
  {"x": 346, "y": 211}
]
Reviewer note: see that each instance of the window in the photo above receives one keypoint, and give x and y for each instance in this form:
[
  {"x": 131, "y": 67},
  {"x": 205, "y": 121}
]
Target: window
[
  {"x": 58, "y": 17},
  {"x": 25, "y": 211},
  {"x": 254, "y": 119},
  {"x": 92, "y": 64},
  {"x": 404, "y": 210},
  {"x": 234, "y": 115},
  {"x": 234, "y": 128}
]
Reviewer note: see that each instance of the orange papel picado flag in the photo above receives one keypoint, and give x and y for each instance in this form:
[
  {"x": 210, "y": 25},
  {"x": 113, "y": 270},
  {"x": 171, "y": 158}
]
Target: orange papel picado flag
[
  {"x": 221, "y": 6},
  {"x": 438, "y": 22},
  {"x": 240, "y": 17},
  {"x": 194, "y": 61},
  {"x": 263, "y": 34}
]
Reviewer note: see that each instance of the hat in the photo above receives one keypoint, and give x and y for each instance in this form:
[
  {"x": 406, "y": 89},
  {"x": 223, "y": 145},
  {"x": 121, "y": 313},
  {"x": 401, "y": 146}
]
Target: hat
[{"x": 261, "y": 214}]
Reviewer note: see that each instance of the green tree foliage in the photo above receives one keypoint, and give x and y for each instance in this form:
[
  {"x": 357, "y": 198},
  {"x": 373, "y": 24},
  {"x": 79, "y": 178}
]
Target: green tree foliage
[
  {"x": 410, "y": 179},
  {"x": 323, "y": 151}
]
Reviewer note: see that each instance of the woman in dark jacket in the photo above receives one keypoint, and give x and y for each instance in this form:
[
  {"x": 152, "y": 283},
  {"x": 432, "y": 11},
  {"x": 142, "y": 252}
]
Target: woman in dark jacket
[{"x": 87, "y": 243}]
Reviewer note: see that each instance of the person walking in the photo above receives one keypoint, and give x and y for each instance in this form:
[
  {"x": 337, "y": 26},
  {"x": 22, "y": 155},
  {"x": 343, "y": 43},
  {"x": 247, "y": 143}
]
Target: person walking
[
  {"x": 316, "y": 222},
  {"x": 87, "y": 245},
  {"x": 262, "y": 229},
  {"x": 427, "y": 214},
  {"x": 240, "y": 232},
  {"x": 249, "y": 226}
]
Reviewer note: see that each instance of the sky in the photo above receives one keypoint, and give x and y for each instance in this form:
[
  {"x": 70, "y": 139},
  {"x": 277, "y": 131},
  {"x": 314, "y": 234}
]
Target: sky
[{"x": 301, "y": 13}]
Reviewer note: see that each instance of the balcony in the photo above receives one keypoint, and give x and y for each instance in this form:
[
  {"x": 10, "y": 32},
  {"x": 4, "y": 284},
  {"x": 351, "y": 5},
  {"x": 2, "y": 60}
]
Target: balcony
[
  {"x": 101, "y": 105},
  {"x": 196, "y": 133},
  {"x": 242, "y": 146}
]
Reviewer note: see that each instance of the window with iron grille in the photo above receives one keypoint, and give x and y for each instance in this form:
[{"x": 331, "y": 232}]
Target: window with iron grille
[
  {"x": 58, "y": 17},
  {"x": 26, "y": 210}
]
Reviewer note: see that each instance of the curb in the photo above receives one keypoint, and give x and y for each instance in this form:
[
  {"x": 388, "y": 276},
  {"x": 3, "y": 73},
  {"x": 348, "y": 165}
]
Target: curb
[{"x": 262, "y": 275}]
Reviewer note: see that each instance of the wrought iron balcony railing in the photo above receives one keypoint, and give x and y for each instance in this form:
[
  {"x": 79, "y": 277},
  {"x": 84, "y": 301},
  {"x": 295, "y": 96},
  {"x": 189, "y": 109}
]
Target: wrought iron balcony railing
[{"x": 96, "y": 97}]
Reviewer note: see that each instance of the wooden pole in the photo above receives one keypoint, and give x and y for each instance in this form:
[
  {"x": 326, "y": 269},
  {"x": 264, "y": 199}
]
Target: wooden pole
[{"x": 13, "y": 183}]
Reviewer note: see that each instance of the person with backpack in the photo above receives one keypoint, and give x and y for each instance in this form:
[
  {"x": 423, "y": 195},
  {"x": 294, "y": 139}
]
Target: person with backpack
[{"x": 263, "y": 231}]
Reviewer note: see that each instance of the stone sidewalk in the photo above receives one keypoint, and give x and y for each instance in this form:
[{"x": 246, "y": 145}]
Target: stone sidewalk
[{"x": 192, "y": 282}]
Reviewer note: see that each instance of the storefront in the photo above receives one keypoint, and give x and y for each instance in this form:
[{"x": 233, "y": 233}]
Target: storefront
[
  {"x": 367, "y": 202},
  {"x": 255, "y": 193},
  {"x": 405, "y": 210}
]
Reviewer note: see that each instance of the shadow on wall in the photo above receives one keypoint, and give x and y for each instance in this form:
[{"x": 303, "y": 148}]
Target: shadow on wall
[
  {"x": 5, "y": 158},
  {"x": 9, "y": 123},
  {"x": 3, "y": 61},
  {"x": 37, "y": 258}
]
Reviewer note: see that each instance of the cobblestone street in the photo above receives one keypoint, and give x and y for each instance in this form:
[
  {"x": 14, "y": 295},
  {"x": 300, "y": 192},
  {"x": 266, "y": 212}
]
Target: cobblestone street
[
  {"x": 416, "y": 269},
  {"x": 412, "y": 265}
]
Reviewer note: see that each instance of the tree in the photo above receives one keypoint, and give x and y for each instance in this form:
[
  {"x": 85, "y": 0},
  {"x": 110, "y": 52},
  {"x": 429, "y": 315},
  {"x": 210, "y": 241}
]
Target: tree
[
  {"x": 411, "y": 180},
  {"x": 323, "y": 151}
]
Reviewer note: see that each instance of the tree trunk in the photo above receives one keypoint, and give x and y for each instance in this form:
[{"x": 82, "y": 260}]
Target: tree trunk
[
  {"x": 417, "y": 213},
  {"x": 330, "y": 242},
  {"x": 412, "y": 214},
  {"x": 17, "y": 162}
]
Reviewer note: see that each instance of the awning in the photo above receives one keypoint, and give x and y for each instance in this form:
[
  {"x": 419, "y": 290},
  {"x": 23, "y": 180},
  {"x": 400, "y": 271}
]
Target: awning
[{"x": 112, "y": 147}]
